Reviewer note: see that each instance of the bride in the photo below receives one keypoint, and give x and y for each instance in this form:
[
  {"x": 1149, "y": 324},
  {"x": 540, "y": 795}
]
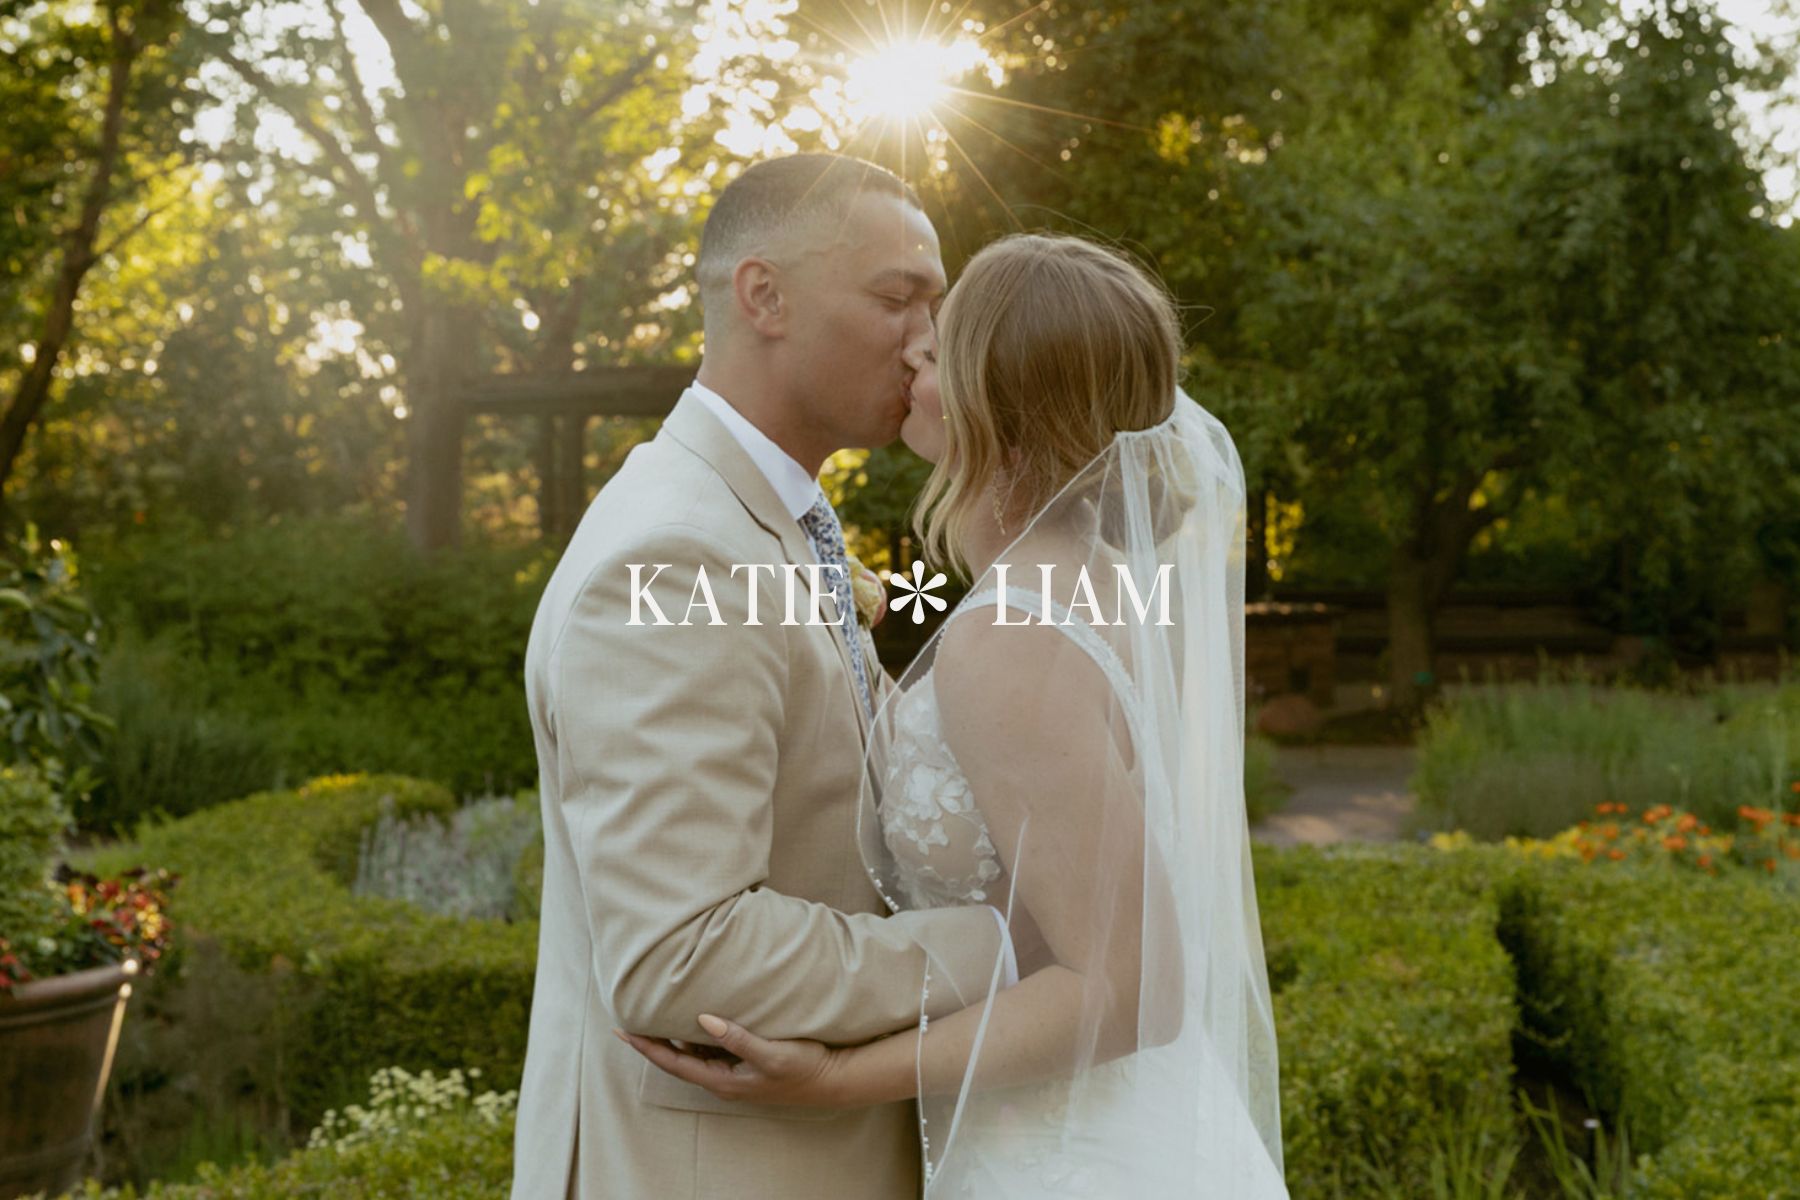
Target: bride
[{"x": 1069, "y": 748}]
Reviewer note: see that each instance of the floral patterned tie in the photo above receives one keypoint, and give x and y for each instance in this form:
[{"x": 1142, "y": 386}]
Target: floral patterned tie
[{"x": 820, "y": 524}]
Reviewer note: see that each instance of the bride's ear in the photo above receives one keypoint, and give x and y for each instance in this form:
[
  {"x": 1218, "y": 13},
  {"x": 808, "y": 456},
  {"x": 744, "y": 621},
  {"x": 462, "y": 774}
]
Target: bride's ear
[{"x": 757, "y": 292}]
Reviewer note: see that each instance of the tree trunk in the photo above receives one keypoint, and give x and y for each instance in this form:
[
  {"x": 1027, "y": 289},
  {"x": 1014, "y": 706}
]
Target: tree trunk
[
  {"x": 1411, "y": 642},
  {"x": 1256, "y": 537},
  {"x": 434, "y": 441},
  {"x": 78, "y": 257},
  {"x": 1420, "y": 572}
]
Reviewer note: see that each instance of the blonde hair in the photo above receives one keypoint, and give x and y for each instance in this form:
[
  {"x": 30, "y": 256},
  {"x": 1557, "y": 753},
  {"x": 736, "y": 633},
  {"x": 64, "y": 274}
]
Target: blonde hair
[{"x": 1049, "y": 345}]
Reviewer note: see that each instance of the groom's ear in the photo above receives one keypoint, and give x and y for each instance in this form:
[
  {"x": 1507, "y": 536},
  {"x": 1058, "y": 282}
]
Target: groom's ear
[{"x": 757, "y": 289}]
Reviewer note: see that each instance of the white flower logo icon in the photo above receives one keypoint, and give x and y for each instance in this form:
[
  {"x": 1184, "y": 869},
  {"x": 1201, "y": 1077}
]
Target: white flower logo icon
[{"x": 917, "y": 589}]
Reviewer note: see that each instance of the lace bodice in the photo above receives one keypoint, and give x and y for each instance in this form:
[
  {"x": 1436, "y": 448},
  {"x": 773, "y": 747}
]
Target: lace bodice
[
  {"x": 929, "y": 818},
  {"x": 928, "y": 814}
]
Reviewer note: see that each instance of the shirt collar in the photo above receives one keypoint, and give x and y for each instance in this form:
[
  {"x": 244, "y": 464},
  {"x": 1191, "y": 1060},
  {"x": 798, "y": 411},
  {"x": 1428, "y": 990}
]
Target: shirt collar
[{"x": 797, "y": 489}]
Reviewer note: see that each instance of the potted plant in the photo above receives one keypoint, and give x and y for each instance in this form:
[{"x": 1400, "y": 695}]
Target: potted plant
[{"x": 70, "y": 946}]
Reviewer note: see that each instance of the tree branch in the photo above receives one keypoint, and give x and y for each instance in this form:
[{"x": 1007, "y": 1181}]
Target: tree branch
[
  {"x": 359, "y": 97},
  {"x": 622, "y": 84},
  {"x": 348, "y": 176},
  {"x": 33, "y": 390},
  {"x": 136, "y": 225},
  {"x": 395, "y": 27}
]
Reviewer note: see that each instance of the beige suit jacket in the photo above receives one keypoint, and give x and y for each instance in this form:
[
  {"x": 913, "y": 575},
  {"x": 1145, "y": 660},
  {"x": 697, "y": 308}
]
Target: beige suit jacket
[{"x": 699, "y": 790}]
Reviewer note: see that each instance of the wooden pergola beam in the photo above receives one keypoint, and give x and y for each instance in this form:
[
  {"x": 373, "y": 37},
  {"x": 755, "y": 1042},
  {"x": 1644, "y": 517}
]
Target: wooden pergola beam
[
  {"x": 647, "y": 391},
  {"x": 564, "y": 403}
]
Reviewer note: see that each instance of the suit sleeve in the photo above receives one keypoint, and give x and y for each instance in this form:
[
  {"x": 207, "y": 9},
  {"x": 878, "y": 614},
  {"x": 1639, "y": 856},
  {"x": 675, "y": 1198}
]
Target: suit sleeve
[{"x": 667, "y": 745}]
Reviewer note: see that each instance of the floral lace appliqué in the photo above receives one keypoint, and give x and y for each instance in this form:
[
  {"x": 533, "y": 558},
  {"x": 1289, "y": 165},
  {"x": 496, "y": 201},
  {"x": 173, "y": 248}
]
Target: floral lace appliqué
[{"x": 928, "y": 814}]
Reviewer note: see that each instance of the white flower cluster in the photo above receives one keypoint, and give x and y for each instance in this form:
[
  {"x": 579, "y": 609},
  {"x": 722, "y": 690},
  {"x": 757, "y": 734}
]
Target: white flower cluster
[{"x": 401, "y": 1103}]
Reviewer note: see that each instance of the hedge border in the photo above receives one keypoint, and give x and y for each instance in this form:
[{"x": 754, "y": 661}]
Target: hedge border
[
  {"x": 361, "y": 982},
  {"x": 1401, "y": 975}
]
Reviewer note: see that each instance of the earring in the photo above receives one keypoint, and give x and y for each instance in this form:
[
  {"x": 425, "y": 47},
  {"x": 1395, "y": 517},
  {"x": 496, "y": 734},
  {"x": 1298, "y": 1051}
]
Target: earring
[{"x": 999, "y": 517}]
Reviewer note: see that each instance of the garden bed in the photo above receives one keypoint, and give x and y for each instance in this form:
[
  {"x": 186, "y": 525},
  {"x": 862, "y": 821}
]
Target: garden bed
[{"x": 1407, "y": 981}]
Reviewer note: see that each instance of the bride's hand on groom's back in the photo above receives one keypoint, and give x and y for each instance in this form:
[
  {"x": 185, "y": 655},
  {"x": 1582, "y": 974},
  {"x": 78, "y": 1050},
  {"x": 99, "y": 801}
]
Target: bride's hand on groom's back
[{"x": 747, "y": 1067}]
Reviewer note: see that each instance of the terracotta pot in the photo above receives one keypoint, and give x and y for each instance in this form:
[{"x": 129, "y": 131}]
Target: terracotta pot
[{"x": 57, "y": 1038}]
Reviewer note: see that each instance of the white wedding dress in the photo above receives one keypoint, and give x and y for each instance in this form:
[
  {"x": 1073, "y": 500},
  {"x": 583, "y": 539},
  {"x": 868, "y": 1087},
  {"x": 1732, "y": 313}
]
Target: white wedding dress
[{"x": 1068, "y": 1138}]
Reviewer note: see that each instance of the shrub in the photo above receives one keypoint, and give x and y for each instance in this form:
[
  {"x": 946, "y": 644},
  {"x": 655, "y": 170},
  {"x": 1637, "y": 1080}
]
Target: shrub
[
  {"x": 48, "y": 641},
  {"x": 1668, "y": 997},
  {"x": 351, "y": 983},
  {"x": 1528, "y": 761},
  {"x": 1264, "y": 793},
  {"x": 419, "y": 1135},
  {"x": 32, "y": 823},
  {"x": 1393, "y": 1003},
  {"x": 180, "y": 743},
  {"x": 311, "y": 647},
  {"x": 467, "y": 867}
]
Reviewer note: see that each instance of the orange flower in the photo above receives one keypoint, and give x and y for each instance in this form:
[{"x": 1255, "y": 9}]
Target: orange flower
[
  {"x": 1615, "y": 854},
  {"x": 1769, "y": 865},
  {"x": 1687, "y": 822},
  {"x": 1705, "y": 860},
  {"x": 1792, "y": 818},
  {"x": 1674, "y": 842}
]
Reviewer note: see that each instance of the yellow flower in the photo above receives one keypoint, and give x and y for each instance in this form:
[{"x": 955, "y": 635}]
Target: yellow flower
[{"x": 868, "y": 591}]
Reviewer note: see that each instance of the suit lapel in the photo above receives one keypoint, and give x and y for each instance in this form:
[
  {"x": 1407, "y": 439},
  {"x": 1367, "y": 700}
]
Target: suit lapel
[{"x": 694, "y": 427}]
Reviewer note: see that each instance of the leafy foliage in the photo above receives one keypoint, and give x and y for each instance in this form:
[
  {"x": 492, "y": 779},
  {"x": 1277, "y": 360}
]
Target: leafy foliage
[
  {"x": 33, "y": 822},
  {"x": 1659, "y": 1014},
  {"x": 49, "y": 641},
  {"x": 1392, "y": 1003},
  {"x": 307, "y": 647}
]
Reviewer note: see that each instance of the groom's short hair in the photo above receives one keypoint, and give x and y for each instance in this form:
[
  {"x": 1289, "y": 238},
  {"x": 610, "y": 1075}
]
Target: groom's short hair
[{"x": 776, "y": 199}]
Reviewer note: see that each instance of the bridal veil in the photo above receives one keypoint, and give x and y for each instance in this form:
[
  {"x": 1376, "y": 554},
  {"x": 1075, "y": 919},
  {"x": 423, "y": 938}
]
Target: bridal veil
[{"x": 1091, "y": 690}]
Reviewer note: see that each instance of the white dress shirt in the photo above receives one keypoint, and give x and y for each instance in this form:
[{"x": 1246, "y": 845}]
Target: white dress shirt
[{"x": 799, "y": 491}]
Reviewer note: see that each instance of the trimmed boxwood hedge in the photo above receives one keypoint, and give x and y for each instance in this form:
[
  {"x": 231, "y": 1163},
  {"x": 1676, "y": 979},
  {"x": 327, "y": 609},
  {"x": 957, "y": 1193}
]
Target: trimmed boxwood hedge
[
  {"x": 1393, "y": 1003},
  {"x": 1675, "y": 999},
  {"x": 458, "y": 1156},
  {"x": 1401, "y": 975},
  {"x": 365, "y": 982}
]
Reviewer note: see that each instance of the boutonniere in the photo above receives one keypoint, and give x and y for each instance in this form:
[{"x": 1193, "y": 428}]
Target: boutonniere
[{"x": 869, "y": 593}]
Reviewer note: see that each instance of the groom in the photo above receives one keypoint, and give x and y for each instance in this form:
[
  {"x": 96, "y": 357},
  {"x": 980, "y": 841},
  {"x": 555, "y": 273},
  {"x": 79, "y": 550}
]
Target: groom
[{"x": 700, "y": 778}]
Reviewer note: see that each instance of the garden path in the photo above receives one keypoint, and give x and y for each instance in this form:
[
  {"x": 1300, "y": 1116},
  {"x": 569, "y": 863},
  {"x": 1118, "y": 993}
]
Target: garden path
[{"x": 1341, "y": 793}]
